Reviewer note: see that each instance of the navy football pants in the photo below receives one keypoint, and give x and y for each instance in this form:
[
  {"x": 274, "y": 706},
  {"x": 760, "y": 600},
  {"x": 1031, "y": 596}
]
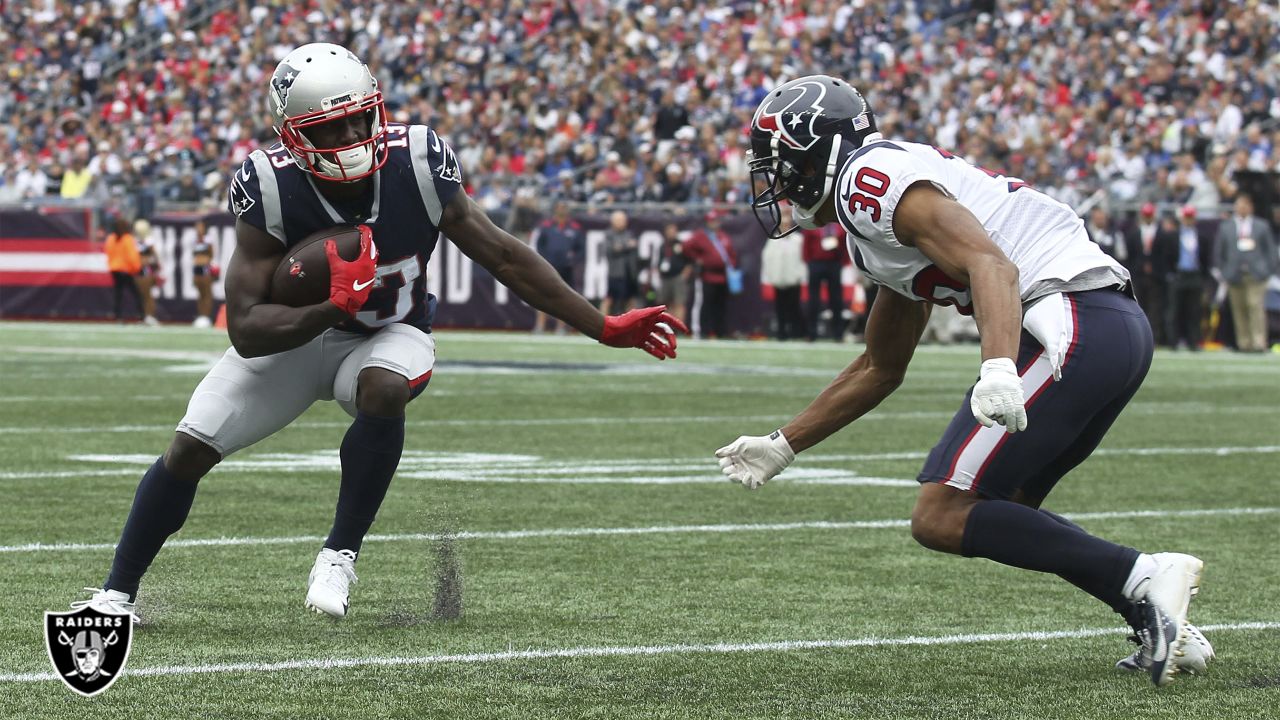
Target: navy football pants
[{"x": 1109, "y": 353}]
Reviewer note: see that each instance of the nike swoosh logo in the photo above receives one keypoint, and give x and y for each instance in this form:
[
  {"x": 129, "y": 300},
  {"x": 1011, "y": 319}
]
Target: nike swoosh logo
[
  {"x": 1161, "y": 646},
  {"x": 358, "y": 286},
  {"x": 244, "y": 174}
]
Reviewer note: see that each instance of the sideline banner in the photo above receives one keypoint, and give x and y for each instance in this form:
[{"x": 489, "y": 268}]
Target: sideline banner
[
  {"x": 51, "y": 268},
  {"x": 50, "y": 265}
]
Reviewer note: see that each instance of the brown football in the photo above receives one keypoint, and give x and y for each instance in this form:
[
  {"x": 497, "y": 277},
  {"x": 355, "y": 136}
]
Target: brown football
[{"x": 302, "y": 277}]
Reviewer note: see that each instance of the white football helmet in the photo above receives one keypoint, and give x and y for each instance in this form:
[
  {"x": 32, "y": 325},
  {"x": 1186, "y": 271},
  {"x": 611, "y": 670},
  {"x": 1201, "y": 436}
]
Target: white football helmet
[{"x": 321, "y": 83}]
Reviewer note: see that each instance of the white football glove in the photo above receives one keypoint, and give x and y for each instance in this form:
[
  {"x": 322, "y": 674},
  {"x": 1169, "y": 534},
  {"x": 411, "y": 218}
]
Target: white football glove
[
  {"x": 1047, "y": 321},
  {"x": 997, "y": 398},
  {"x": 754, "y": 461}
]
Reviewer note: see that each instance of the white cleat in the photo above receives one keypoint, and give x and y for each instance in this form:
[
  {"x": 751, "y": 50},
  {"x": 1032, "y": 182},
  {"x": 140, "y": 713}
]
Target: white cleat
[
  {"x": 108, "y": 601},
  {"x": 329, "y": 585},
  {"x": 1163, "y": 599},
  {"x": 1195, "y": 658}
]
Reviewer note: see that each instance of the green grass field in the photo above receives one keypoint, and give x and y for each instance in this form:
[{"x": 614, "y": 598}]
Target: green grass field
[{"x": 607, "y": 571}]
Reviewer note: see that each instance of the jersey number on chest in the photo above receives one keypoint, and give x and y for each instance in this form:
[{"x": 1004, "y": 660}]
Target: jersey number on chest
[
  {"x": 408, "y": 270},
  {"x": 873, "y": 184}
]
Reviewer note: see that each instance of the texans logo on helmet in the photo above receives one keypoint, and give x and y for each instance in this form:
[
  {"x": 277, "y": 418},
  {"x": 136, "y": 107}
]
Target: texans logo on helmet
[{"x": 793, "y": 128}]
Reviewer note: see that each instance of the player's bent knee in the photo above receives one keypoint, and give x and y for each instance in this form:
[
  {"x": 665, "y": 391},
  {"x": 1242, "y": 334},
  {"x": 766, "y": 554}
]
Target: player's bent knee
[
  {"x": 190, "y": 459},
  {"x": 938, "y": 518},
  {"x": 382, "y": 393},
  {"x": 927, "y": 530}
]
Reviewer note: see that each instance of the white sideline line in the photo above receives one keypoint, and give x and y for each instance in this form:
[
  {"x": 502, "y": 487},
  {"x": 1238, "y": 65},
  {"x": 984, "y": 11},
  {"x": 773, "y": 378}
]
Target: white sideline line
[
  {"x": 617, "y": 531},
  {"x": 633, "y": 651}
]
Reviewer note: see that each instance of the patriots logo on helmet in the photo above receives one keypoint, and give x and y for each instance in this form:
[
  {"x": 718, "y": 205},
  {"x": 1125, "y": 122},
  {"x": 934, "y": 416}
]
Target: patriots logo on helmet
[{"x": 280, "y": 84}]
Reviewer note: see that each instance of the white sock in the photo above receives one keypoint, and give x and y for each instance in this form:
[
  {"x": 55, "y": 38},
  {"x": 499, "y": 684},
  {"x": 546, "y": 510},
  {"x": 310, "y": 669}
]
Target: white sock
[{"x": 1143, "y": 568}]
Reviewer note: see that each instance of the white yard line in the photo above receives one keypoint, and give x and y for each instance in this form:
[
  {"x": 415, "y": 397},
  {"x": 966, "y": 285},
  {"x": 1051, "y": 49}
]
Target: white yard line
[
  {"x": 117, "y": 352},
  {"x": 75, "y": 399},
  {"x": 479, "y": 467},
  {"x": 710, "y": 477},
  {"x": 1217, "y": 451},
  {"x": 627, "y": 531},
  {"x": 632, "y": 651},
  {"x": 80, "y": 331}
]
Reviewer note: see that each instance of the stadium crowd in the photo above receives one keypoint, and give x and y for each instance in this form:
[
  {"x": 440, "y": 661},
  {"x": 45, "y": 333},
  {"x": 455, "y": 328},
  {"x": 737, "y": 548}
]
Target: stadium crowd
[{"x": 588, "y": 100}]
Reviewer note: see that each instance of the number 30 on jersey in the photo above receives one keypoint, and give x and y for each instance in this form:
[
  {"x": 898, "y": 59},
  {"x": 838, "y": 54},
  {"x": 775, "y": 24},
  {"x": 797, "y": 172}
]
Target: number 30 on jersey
[{"x": 873, "y": 184}]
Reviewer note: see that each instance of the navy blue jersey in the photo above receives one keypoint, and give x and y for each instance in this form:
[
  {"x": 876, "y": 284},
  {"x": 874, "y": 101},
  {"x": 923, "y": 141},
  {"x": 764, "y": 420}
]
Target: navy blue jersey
[{"x": 421, "y": 176}]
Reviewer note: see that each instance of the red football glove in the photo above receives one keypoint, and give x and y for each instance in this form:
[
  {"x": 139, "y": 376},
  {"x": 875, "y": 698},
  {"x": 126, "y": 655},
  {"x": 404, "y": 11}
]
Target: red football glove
[
  {"x": 351, "y": 282},
  {"x": 651, "y": 329}
]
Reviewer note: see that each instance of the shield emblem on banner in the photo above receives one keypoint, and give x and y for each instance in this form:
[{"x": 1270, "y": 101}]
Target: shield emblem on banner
[{"x": 88, "y": 647}]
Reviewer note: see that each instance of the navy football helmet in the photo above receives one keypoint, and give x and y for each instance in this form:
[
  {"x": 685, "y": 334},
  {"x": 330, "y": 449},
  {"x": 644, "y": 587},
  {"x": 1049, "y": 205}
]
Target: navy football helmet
[{"x": 798, "y": 135}]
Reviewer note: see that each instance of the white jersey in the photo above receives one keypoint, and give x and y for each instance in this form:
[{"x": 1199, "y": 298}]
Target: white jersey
[{"x": 1041, "y": 236}]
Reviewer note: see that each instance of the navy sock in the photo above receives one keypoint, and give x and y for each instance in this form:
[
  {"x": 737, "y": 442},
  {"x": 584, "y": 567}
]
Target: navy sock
[
  {"x": 370, "y": 453},
  {"x": 1023, "y": 537},
  {"x": 1061, "y": 520},
  {"x": 160, "y": 507},
  {"x": 1104, "y": 592}
]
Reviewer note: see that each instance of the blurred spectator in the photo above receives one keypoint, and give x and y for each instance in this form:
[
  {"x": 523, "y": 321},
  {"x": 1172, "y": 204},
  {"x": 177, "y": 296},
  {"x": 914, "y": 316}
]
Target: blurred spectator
[
  {"x": 1108, "y": 235},
  {"x": 124, "y": 262},
  {"x": 823, "y": 252},
  {"x": 148, "y": 277},
  {"x": 1155, "y": 254},
  {"x": 782, "y": 266},
  {"x": 674, "y": 187},
  {"x": 613, "y": 180},
  {"x": 1186, "y": 282},
  {"x": 10, "y": 191},
  {"x": 674, "y": 273},
  {"x": 32, "y": 181},
  {"x": 622, "y": 253},
  {"x": 714, "y": 256},
  {"x": 77, "y": 178},
  {"x": 561, "y": 242},
  {"x": 186, "y": 191},
  {"x": 1245, "y": 260}
]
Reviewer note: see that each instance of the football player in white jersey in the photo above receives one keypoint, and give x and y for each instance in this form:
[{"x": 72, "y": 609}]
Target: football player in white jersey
[{"x": 1064, "y": 348}]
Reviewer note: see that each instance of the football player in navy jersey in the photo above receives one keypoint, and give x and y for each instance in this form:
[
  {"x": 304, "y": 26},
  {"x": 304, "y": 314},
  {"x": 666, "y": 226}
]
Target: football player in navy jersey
[{"x": 369, "y": 346}]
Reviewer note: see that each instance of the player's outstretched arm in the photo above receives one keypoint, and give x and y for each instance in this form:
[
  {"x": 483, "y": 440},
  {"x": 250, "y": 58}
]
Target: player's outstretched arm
[
  {"x": 893, "y": 331},
  {"x": 529, "y": 276},
  {"x": 949, "y": 235},
  {"x": 257, "y": 327}
]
